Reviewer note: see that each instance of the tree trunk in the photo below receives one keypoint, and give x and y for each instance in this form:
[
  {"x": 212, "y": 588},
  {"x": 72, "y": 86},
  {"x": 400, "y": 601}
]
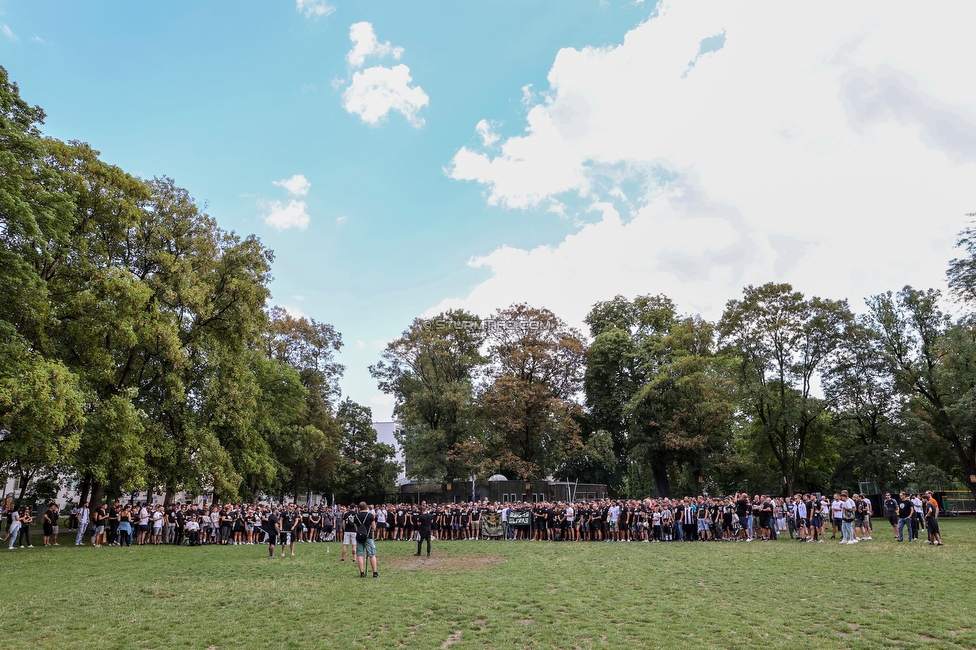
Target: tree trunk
[
  {"x": 83, "y": 493},
  {"x": 660, "y": 470},
  {"x": 97, "y": 491}
]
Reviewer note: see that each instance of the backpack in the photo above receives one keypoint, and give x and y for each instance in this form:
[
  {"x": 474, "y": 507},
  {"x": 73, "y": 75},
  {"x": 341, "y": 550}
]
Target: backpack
[{"x": 362, "y": 532}]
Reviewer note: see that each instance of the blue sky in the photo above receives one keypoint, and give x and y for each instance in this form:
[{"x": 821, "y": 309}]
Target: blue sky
[{"x": 622, "y": 168}]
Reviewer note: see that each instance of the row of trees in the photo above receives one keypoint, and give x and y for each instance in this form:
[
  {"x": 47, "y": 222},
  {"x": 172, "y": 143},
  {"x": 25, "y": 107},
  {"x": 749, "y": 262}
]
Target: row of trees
[
  {"x": 138, "y": 350},
  {"x": 783, "y": 393}
]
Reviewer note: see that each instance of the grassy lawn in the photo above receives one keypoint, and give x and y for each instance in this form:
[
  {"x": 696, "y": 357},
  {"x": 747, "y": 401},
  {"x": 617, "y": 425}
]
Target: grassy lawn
[{"x": 876, "y": 594}]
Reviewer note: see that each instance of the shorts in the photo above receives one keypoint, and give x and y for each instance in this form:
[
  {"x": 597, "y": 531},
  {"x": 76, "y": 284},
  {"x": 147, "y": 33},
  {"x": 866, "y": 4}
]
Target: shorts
[
  {"x": 48, "y": 530},
  {"x": 838, "y": 522},
  {"x": 143, "y": 528},
  {"x": 328, "y": 529},
  {"x": 614, "y": 527},
  {"x": 859, "y": 522},
  {"x": 348, "y": 538},
  {"x": 157, "y": 530},
  {"x": 932, "y": 525},
  {"x": 893, "y": 520},
  {"x": 816, "y": 521},
  {"x": 368, "y": 549},
  {"x": 702, "y": 525},
  {"x": 99, "y": 530},
  {"x": 285, "y": 537}
]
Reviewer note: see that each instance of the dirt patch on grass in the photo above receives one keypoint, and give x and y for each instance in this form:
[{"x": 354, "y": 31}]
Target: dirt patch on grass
[{"x": 446, "y": 563}]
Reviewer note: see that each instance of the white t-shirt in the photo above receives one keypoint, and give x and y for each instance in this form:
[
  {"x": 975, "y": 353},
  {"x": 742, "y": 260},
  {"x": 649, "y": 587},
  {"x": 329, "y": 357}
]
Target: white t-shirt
[
  {"x": 570, "y": 513},
  {"x": 614, "y": 513},
  {"x": 143, "y": 517},
  {"x": 836, "y": 509}
]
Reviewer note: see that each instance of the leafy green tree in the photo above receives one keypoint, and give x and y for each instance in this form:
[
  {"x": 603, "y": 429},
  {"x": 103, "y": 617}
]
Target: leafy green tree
[
  {"x": 41, "y": 411},
  {"x": 933, "y": 361},
  {"x": 783, "y": 343},
  {"x": 534, "y": 375},
  {"x": 683, "y": 414},
  {"x": 431, "y": 371},
  {"x": 367, "y": 469}
]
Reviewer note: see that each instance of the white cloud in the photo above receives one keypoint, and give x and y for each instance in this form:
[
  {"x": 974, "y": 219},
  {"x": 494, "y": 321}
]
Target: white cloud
[
  {"x": 365, "y": 44},
  {"x": 291, "y": 215},
  {"x": 840, "y": 157},
  {"x": 486, "y": 130},
  {"x": 337, "y": 83},
  {"x": 376, "y": 91},
  {"x": 9, "y": 33},
  {"x": 297, "y": 185},
  {"x": 341, "y": 220},
  {"x": 316, "y": 8}
]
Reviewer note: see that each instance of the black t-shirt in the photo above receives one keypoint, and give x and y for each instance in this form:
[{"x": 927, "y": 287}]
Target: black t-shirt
[
  {"x": 424, "y": 522},
  {"x": 363, "y": 519},
  {"x": 905, "y": 509},
  {"x": 350, "y": 521},
  {"x": 270, "y": 521},
  {"x": 288, "y": 520},
  {"x": 742, "y": 508}
]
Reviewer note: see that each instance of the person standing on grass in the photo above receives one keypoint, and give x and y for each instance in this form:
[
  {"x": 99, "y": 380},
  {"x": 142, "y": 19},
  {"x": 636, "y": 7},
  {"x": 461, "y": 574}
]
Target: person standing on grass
[
  {"x": 905, "y": 510},
  {"x": 13, "y": 528},
  {"x": 50, "y": 524},
  {"x": 847, "y": 518},
  {"x": 81, "y": 517},
  {"x": 290, "y": 521},
  {"x": 365, "y": 532},
  {"x": 836, "y": 515},
  {"x": 349, "y": 532},
  {"x": 98, "y": 523},
  {"x": 930, "y": 508},
  {"x": 916, "y": 515},
  {"x": 424, "y": 521},
  {"x": 272, "y": 529},
  {"x": 891, "y": 512}
]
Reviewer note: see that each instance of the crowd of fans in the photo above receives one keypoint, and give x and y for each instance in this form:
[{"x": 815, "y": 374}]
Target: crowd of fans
[{"x": 738, "y": 518}]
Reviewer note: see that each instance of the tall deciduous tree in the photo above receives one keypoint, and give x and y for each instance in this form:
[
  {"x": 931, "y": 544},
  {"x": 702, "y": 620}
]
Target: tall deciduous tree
[
  {"x": 367, "y": 469},
  {"x": 534, "y": 376},
  {"x": 783, "y": 343},
  {"x": 933, "y": 360},
  {"x": 431, "y": 371}
]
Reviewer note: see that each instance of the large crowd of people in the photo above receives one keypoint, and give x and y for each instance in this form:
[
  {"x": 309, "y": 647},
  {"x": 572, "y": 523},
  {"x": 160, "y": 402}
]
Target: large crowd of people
[{"x": 738, "y": 518}]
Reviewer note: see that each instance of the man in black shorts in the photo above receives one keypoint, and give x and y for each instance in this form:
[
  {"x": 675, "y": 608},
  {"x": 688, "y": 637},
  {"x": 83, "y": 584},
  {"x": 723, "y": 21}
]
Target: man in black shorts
[
  {"x": 272, "y": 528},
  {"x": 423, "y": 521},
  {"x": 290, "y": 521}
]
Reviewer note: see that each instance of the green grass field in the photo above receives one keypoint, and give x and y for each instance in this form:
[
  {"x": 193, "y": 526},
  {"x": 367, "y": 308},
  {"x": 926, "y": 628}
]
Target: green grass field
[{"x": 877, "y": 594}]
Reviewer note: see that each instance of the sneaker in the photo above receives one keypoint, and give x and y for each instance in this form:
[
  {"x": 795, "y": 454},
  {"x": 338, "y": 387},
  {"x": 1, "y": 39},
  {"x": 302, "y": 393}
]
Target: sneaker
[
  {"x": 362, "y": 574},
  {"x": 376, "y": 575},
  {"x": 55, "y": 544},
  {"x": 22, "y": 546},
  {"x": 293, "y": 555}
]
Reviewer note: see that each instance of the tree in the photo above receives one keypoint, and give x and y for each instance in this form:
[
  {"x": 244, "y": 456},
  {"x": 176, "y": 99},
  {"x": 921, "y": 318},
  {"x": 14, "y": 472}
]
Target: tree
[
  {"x": 867, "y": 410},
  {"x": 367, "y": 469},
  {"x": 535, "y": 372},
  {"x": 431, "y": 370},
  {"x": 783, "y": 343},
  {"x": 682, "y": 415},
  {"x": 41, "y": 411},
  {"x": 932, "y": 360}
]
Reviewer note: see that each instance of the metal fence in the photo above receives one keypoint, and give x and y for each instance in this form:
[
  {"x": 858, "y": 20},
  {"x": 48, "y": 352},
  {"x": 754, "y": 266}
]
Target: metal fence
[{"x": 958, "y": 502}]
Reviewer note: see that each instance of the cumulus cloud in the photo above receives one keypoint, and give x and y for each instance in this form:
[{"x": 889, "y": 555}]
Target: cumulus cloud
[
  {"x": 316, "y": 8},
  {"x": 365, "y": 43},
  {"x": 486, "y": 130},
  {"x": 840, "y": 157},
  {"x": 297, "y": 185},
  {"x": 282, "y": 216},
  {"x": 376, "y": 91}
]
